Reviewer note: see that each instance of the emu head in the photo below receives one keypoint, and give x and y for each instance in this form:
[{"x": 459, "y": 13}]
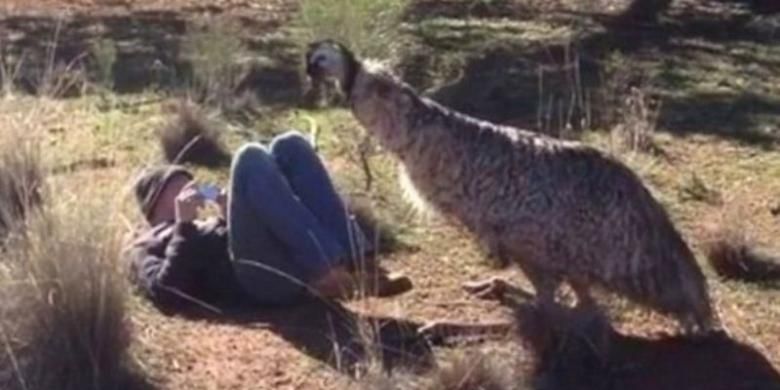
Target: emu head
[{"x": 330, "y": 60}]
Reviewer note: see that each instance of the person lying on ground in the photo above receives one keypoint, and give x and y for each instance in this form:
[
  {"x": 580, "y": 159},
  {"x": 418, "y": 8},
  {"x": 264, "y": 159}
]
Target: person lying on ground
[{"x": 283, "y": 234}]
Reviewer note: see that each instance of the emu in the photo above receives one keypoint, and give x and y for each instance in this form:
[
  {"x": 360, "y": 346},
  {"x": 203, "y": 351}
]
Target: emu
[{"x": 562, "y": 211}]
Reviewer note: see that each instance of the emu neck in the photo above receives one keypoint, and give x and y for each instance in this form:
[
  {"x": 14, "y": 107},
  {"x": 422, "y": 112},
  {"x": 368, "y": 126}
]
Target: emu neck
[{"x": 381, "y": 104}]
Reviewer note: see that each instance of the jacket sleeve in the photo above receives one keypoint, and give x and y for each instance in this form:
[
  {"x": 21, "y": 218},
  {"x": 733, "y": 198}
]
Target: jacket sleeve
[{"x": 165, "y": 267}]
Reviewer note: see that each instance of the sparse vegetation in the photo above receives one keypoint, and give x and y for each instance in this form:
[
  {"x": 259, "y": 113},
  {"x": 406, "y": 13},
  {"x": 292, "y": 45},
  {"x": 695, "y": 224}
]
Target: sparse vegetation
[
  {"x": 63, "y": 318},
  {"x": 215, "y": 49},
  {"x": 370, "y": 27}
]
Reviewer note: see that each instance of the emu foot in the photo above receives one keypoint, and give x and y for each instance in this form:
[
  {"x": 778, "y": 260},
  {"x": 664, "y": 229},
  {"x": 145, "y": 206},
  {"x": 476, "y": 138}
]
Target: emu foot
[{"x": 497, "y": 289}]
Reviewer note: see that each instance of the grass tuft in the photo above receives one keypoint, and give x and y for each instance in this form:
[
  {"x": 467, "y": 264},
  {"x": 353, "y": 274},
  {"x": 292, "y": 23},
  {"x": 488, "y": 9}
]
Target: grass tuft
[
  {"x": 734, "y": 256},
  {"x": 63, "y": 318},
  {"x": 21, "y": 177},
  {"x": 190, "y": 137},
  {"x": 637, "y": 122}
]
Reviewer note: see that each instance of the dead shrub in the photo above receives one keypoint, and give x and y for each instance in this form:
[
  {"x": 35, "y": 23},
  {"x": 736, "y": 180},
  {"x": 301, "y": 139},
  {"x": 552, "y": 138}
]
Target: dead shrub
[
  {"x": 63, "y": 323},
  {"x": 734, "y": 256},
  {"x": 637, "y": 122},
  {"x": 190, "y": 137}
]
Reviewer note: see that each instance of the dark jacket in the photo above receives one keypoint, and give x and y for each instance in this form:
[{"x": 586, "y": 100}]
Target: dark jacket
[{"x": 184, "y": 264}]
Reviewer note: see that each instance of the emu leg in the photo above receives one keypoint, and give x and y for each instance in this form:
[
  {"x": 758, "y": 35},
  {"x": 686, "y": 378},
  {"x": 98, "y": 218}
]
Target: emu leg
[
  {"x": 545, "y": 283},
  {"x": 582, "y": 291}
]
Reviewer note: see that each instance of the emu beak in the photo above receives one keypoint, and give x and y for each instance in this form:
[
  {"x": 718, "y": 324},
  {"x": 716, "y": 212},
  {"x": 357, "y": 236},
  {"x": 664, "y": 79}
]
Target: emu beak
[
  {"x": 314, "y": 67},
  {"x": 314, "y": 70}
]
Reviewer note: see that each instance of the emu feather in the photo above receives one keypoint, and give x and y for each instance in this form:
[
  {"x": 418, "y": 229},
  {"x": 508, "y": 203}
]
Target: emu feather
[{"x": 562, "y": 211}]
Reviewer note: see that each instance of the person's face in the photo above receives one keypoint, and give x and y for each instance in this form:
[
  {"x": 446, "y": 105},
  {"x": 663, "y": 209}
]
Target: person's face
[{"x": 165, "y": 208}]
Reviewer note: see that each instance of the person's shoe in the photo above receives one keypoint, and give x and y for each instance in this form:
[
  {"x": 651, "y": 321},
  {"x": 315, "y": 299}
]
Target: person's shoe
[{"x": 393, "y": 284}]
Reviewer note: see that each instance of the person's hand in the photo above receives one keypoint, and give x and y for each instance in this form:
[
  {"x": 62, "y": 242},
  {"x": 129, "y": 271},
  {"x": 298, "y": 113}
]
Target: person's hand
[
  {"x": 222, "y": 202},
  {"x": 188, "y": 202}
]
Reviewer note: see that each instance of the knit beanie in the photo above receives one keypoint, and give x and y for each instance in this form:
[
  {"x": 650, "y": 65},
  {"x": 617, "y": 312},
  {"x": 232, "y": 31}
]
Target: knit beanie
[{"x": 151, "y": 183}]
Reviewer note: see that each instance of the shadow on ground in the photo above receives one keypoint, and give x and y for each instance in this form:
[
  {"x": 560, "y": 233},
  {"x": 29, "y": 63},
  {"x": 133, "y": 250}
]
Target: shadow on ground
[
  {"x": 579, "y": 349},
  {"x": 335, "y": 335},
  {"x": 553, "y": 83}
]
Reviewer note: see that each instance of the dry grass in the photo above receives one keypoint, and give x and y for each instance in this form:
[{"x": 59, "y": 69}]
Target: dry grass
[
  {"x": 468, "y": 370},
  {"x": 63, "y": 300},
  {"x": 63, "y": 293},
  {"x": 21, "y": 177},
  {"x": 637, "y": 121},
  {"x": 191, "y": 137}
]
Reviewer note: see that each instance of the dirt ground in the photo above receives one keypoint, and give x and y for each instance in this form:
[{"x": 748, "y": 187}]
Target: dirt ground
[{"x": 315, "y": 346}]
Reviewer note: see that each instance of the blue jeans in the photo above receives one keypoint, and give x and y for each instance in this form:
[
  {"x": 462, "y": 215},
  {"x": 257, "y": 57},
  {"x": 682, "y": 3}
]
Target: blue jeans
[{"x": 287, "y": 225}]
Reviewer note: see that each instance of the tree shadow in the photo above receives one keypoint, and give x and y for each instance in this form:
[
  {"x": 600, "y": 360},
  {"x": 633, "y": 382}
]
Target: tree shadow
[
  {"x": 564, "y": 84},
  {"x": 149, "y": 51},
  {"x": 730, "y": 115}
]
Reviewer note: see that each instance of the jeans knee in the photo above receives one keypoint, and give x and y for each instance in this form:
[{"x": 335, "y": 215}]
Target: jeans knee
[
  {"x": 250, "y": 157},
  {"x": 291, "y": 143}
]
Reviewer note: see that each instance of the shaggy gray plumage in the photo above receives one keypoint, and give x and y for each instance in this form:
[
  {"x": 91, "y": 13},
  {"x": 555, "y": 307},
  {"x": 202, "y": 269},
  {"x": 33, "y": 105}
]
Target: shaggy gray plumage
[{"x": 563, "y": 211}]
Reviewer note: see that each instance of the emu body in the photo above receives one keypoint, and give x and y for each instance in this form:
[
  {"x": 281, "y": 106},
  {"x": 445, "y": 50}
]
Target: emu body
[{"x": 562, "y": 211}]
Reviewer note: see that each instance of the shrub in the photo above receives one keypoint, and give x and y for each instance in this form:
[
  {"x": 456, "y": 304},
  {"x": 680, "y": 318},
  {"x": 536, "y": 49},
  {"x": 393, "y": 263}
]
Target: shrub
[
  {"x": 190, "y": 137},
  {"x": 733, "y": 256},
  {"x": 62, "y": 298}
]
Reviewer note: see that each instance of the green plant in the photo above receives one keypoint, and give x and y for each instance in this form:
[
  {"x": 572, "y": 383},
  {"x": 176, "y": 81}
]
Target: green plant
[
  {"x": 104, "y": 54},
  {"x": 369, "y": 27}
]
